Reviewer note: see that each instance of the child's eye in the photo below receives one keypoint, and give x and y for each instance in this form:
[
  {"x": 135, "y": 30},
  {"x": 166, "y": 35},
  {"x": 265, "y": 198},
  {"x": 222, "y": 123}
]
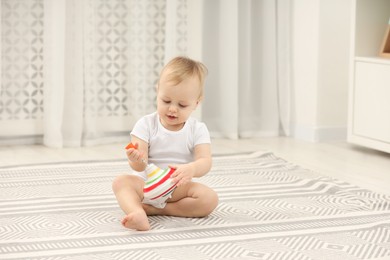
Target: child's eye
[
  {"x": 166, "y": 101},
  {"x": 183, "y": 106}
]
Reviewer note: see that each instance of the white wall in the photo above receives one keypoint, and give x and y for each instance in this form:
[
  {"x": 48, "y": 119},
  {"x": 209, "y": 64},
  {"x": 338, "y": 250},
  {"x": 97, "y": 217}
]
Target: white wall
[{"x": 320, "y": 40}]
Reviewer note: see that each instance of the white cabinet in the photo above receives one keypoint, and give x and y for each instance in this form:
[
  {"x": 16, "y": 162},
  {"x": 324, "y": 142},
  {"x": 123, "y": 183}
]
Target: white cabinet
[
  {"x": 372, "y": 101},
  {"x": 369, "y": 95}
]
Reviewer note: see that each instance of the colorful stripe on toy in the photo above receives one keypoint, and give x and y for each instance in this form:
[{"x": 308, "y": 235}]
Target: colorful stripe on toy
[
  {"x": 159, "y": 182},
  {"x": 169, "y": 191},
  {"x": 157, "y": 170}
]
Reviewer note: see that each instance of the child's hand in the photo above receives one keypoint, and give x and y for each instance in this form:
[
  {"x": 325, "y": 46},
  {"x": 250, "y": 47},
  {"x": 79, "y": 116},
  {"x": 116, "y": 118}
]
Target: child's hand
[
  {"x": 133, "y": 154},
  {"x": 183, "y": 173}
]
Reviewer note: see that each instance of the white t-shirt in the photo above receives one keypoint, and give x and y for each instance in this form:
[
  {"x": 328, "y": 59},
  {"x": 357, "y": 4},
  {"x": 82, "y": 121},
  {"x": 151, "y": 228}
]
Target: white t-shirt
[{"x": 170, "y": 147}]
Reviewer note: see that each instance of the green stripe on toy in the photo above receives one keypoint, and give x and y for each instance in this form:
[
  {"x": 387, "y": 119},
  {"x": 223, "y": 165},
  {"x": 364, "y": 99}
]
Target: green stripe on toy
[
  {"x": 162, "y": 174},
  {"x": 159, "y": 182}
]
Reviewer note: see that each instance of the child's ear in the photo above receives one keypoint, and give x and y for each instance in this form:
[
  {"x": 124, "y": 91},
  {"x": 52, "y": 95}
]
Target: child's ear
[{"x": 198, "y": 101}]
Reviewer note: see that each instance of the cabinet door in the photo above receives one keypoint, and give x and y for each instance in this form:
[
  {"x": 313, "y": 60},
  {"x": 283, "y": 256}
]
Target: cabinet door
[{"x": 371, "y": 108}]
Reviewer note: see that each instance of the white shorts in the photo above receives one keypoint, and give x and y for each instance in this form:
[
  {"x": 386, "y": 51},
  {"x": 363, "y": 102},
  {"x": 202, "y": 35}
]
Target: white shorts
[{"x": 160, "y": 202}]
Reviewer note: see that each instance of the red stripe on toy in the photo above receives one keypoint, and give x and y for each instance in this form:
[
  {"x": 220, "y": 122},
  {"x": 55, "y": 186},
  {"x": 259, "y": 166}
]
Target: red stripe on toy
[
  {"x": 168, "y": 191},
  {"x": 166, "y": 177}
]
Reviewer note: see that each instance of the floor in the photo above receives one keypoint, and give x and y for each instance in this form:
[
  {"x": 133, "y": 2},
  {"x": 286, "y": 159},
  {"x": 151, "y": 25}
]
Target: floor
[{"x": 357, "y": 165}]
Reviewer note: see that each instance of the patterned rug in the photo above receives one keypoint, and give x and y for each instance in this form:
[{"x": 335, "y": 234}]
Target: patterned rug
[{"x": 269, "y": 209}]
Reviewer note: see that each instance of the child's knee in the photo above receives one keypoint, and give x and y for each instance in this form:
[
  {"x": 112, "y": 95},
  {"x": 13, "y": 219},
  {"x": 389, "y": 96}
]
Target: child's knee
[
  {"x": 118, "y": 183},
  {"x": 213, "y": 201},
  {"x": 210, "y": 202},
  {"x": 126, "y": 181}
]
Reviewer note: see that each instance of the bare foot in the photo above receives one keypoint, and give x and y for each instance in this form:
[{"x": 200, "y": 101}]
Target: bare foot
[{"x": 136, "y": 220}]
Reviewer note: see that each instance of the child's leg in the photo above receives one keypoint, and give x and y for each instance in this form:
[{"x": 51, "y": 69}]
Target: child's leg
[
  {"x": 191, "y": 200},
  {"x": 128, "y": 190}
]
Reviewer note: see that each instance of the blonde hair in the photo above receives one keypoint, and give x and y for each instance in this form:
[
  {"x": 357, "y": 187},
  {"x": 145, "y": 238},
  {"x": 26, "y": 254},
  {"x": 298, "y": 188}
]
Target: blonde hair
[{"x": 181, "y": 68}]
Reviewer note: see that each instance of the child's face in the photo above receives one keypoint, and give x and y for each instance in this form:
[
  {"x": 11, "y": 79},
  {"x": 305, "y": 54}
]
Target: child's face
[{"x": 175, "y": 103}]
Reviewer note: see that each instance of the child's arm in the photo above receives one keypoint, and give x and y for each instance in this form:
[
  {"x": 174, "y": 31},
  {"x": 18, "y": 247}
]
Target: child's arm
[
  {"x": 137, "y": 154},
  {"x": 199, "y": 167},
  {"x": 202, "y": 162}
]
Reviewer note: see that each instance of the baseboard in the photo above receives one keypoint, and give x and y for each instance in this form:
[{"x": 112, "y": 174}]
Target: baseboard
[
  {"x": 244, "y": 134},
  {"x": 104, "y": 138},
  {"x": 319, "y": 134},
  {"x": 21, "y": 140}
]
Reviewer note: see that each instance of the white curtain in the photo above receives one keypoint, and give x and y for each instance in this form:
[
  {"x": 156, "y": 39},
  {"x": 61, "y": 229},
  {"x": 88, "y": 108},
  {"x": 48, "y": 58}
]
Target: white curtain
[
  {"x": 246, "y": 47},
  {"x": 81, "y": 72},
  {"x": 104, "y": 60}
]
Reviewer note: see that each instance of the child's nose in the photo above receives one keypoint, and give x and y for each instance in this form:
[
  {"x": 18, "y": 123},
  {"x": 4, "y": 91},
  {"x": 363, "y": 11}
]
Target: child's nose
[{"x": 172, "y": 108}]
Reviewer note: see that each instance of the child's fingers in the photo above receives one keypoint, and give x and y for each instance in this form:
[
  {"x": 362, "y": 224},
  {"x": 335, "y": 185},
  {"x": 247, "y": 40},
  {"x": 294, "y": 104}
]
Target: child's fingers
[
  {"x": 175, "y": 178},
  {"x": 131, "y": 152},
  {"x": 134, "y": 155},
  {"x": 179, "y": 179},
  {"x": 176, "y": 181},
  {"x": 182, "y": 182},
  {"x": 176, "y": 175},
  {"x": 176, "y": 172}
]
